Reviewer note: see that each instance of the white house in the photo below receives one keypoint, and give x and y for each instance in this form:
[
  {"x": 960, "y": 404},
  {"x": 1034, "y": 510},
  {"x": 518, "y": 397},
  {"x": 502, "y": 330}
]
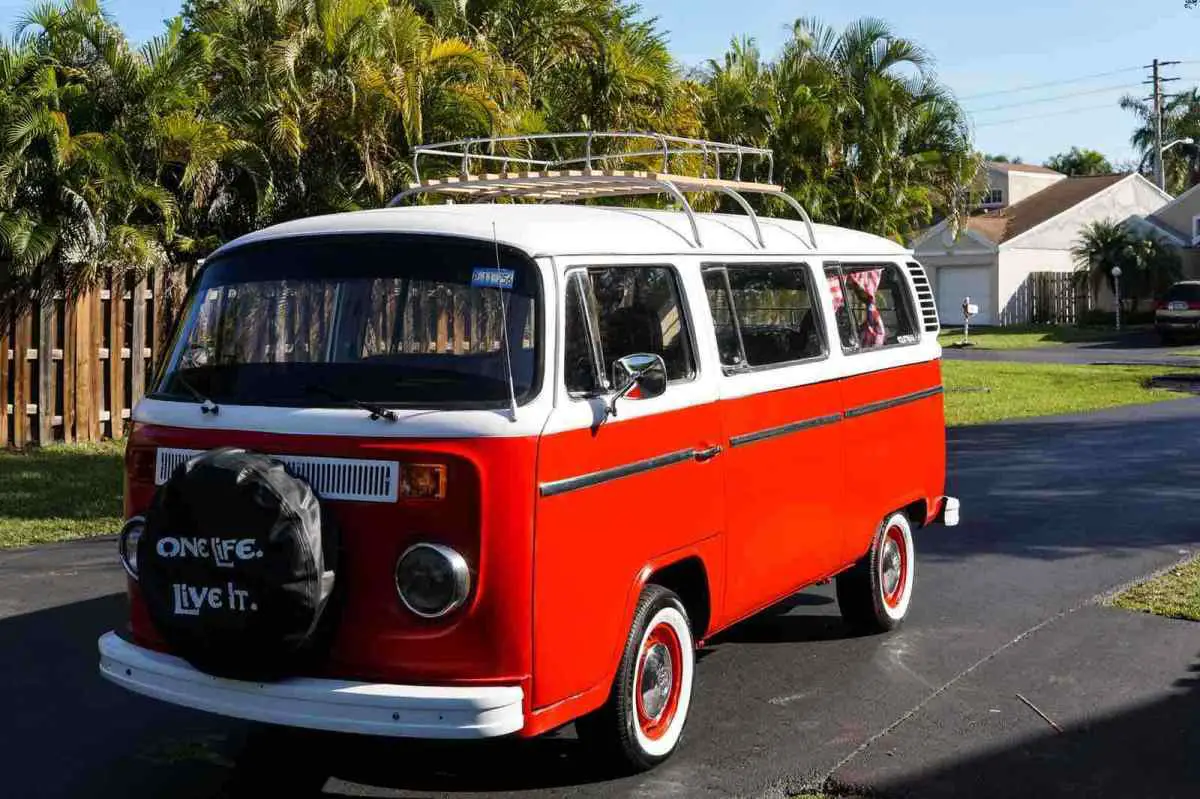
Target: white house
[{"x": 1030, "y": 220}]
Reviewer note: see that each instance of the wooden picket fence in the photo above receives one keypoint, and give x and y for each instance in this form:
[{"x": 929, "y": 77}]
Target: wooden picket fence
[
  {"x": 1051, "y": 298},
  {"x": 72, "y": 370}
]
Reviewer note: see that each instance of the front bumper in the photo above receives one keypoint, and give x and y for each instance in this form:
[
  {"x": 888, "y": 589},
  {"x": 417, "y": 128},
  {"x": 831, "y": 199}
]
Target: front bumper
[{"x": 411, "y": 711}]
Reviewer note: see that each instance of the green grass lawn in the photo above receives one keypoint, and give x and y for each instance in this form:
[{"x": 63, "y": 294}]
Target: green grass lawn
[
  {"x": 979, "y": 392},
  {"x": 1024, "y": 337},
  {"x": 59, "y": 492},
  {"x": 1175, "y": 594}
]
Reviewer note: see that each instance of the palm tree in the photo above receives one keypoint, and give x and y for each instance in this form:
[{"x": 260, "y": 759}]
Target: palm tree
[
  {"x": 862, "y": 131},
  {"x": 77, "y": 205},
  {"x": 1181, "y": 120},
  {"x": 1102, "y": 245},
  {"x": 1148, "y": 265},
  {"x": 1080, "y": 162},
  {"x": 336, "y": 93}
]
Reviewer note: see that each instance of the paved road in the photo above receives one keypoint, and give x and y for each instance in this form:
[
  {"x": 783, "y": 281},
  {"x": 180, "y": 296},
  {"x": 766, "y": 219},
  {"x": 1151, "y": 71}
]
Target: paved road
[{"x": 1055, "y": 512}]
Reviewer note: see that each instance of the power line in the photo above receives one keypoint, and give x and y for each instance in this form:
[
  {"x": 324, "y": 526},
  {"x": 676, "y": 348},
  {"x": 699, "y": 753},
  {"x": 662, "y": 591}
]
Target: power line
[
  {"x": 1064, "y": 112},
  {"x": 1049, "y": 84},
  {"x": 1126, "y": 86}
]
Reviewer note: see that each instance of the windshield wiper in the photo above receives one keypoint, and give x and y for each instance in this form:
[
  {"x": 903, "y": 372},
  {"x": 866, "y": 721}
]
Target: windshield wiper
[
  {"x": 377, "y": 411},
  {"x": 206, "y": 405}
]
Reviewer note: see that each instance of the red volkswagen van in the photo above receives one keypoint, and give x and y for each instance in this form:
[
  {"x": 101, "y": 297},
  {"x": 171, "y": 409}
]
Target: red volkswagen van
[{"x": 473, "y": 470}]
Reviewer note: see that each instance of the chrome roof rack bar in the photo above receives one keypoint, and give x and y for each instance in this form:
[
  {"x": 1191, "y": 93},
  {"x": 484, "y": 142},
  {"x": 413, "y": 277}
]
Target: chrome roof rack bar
[
  {"x": 581, "y": 169},
  {"x": 740, "y": 200},
  {"x": 792, "y": 201},
  {"x": 687, "y": 208},
  {"x": 464, "y": 151}
]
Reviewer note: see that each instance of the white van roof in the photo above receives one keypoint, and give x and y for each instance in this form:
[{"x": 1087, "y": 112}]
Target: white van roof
[{"x": 564, "y": 229}]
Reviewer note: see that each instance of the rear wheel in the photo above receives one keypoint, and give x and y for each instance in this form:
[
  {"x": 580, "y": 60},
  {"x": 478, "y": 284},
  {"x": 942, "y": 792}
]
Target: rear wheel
[
  {"x": 875, "y": 594},
  {"x": 640, "y": 725}
]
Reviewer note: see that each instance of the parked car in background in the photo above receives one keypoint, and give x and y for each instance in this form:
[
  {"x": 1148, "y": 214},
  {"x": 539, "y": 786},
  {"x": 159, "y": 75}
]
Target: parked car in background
[{"x": 1177, "y": 314}]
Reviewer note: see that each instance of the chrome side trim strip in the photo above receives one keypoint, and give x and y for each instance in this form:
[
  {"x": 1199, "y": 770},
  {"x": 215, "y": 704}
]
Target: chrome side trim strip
[
  {"x": 883, "y": 405},
  {"x": 784, "y": 429},
  {"x": 555, "y": 487}
]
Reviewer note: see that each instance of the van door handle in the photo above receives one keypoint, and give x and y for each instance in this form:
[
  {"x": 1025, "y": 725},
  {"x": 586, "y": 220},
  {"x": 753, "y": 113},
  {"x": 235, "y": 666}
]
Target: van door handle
[{"x": 706, "y": 454}]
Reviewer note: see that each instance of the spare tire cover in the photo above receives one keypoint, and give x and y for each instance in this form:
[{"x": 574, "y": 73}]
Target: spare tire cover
[{"x": 236, "y": 565}]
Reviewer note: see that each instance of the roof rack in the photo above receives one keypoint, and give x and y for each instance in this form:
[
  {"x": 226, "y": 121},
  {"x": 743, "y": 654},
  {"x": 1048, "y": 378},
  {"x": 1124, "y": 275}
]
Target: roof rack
[{"x": 588, "y": 164}]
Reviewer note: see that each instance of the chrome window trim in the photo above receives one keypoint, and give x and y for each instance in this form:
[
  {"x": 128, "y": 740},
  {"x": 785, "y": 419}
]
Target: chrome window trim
[
  {"x": 555, "y": 487},
  {"x": 832, "y": 418},
  {"x": 904, "y": 399},
  {"x": 784, "y": 429}
]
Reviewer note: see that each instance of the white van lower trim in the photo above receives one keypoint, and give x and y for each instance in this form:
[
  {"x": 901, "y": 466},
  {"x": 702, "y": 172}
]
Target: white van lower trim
[{"x": 411, "y": 711}]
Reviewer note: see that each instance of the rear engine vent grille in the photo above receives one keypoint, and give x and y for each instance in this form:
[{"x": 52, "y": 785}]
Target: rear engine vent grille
[
  {"x": 929, "y": 316},
  {"x": 331, "y": 478}
]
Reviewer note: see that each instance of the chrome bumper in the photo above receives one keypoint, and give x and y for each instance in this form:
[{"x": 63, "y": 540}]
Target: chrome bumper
[
  {"x": 412, "y": 711},
  {"x": 948, "y": 515}
]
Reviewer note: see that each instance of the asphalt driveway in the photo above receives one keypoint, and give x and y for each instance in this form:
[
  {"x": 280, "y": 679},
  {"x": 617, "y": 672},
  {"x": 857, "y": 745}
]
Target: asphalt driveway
[{"x": 1055, "y": 512}]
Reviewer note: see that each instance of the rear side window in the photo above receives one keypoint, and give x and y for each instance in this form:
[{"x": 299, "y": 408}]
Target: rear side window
[
  {"x": 872, "y": 306},
  {"x": 1184, "y": 292},
  {"x": 617, "y": 311},
  {"x": 764, "y": 315}
]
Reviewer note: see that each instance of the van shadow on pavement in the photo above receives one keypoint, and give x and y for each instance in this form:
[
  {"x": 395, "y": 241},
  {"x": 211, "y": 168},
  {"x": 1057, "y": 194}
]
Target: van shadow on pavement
[{"x": 1148, "y": 751}]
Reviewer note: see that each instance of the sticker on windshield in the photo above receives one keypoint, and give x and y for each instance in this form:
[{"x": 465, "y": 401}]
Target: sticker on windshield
[{"x": 492, "y": 278}]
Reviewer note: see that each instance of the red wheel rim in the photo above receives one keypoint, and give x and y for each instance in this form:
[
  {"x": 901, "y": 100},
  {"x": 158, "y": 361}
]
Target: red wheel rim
[
  {"x": 658, "y": 682},
  {"x": 893, "y": 566}
]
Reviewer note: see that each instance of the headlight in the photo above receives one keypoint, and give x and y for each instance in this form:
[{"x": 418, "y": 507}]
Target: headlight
[
  {"x": 127, "y": 543},
  {"x": 432, "y": 580}
]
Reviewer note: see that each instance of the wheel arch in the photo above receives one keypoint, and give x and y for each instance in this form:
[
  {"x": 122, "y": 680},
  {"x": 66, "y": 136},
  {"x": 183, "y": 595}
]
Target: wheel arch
[{"x": 688, "y": 578}]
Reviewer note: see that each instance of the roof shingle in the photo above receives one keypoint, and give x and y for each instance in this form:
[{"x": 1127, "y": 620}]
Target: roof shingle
[{"x": 1008, "y": 223}]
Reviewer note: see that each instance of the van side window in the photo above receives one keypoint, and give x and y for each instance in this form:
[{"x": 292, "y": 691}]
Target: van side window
[
  {"x": 579, "y": 357},
  {"x": 636, "y": 309},
  {"x": 729, "y": 343},
  {"x": 764, "y": 315},
  {"x": 872, "y": 306}
]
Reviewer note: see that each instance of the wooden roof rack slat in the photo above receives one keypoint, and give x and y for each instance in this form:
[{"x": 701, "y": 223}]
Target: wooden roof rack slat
[{"x": 598, "y": 168}]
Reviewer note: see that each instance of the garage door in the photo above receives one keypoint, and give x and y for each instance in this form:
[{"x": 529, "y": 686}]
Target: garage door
[{"x": 956, "y": 282}]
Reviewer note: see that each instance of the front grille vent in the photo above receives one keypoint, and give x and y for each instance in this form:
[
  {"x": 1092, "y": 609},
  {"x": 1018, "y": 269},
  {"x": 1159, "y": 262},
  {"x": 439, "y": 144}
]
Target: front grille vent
[{"x": 332, "y": 478}]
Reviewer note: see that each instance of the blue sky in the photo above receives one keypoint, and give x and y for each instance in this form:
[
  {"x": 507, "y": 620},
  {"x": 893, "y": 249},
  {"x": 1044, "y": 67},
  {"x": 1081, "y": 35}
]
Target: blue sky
[{"x": 980, "y": 49}]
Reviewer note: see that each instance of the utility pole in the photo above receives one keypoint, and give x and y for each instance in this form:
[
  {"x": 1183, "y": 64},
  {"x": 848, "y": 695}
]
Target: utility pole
[{"x": 1160, "y": 177}]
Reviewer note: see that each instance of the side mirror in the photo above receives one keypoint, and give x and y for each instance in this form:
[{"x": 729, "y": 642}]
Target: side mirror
[{"x": 638, "y": 377}]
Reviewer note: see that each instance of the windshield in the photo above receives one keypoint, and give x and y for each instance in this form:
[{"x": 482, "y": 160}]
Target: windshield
[{"x": 327, "y": 322}]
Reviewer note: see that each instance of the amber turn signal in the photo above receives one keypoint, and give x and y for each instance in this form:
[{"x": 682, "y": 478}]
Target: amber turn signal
[{"x": 422, "y": 481}]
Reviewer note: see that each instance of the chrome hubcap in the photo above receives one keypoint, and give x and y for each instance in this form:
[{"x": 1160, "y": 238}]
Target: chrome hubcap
[
  {"x": 656, "y": 681},
  {"x": 890, "y": 566}
]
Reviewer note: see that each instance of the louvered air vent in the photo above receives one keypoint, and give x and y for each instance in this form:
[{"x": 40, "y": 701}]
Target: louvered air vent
[
  {"x": 331, "y": 478},
  {"x": 929, "y": 316}
]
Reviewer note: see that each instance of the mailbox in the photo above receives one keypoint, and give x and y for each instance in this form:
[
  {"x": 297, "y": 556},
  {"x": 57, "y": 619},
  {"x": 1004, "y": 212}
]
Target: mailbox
[{"x": 969, "y": 309}]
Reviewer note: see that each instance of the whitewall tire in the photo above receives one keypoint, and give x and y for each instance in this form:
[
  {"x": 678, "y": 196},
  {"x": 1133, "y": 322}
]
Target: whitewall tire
[
  {"x": 876, "y": 593},
  {"x": 641, "y": 724}
]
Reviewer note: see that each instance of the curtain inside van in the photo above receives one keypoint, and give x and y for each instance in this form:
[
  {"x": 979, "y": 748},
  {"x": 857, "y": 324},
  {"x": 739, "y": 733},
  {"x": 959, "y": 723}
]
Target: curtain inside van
[{"x": 865, "y": 284}]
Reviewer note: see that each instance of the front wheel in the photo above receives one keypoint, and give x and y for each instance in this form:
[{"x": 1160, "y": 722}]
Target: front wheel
[
  {"x": 640, "y": 725},
  {"x": 875, "y": 593}
]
